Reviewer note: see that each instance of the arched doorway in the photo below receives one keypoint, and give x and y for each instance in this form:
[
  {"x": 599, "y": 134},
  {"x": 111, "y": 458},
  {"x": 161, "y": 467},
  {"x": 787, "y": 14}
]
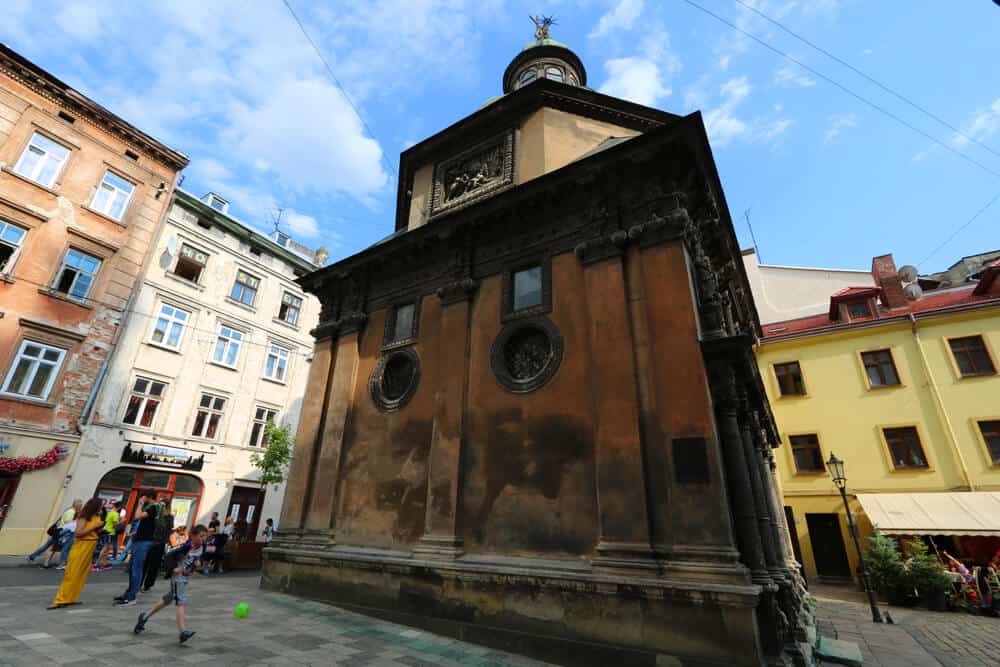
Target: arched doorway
[{"x": 182, "y": 491}]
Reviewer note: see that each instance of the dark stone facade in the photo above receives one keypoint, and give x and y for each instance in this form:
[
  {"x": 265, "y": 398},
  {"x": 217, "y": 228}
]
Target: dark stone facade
[{"x": 617, "y": 505}]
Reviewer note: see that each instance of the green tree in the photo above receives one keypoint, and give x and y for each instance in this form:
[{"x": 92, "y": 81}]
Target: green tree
[
  {"x": 885, "y": 564},
  {"x": 273, "y": 463}
]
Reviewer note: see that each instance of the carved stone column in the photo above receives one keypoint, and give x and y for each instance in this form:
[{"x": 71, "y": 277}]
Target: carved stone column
[
  {"x": 762, "y": 506},
  {"x": 624, "y": 527},
  {"x": 320, "y": 515},
  {"x": 307, "y": 439},
  {"x": 440, "y": 539},
  {"x": 741, "y": 494}
]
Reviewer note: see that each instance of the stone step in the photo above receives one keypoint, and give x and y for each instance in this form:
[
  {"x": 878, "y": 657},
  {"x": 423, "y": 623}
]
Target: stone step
[{"x": 838, "y": 651}]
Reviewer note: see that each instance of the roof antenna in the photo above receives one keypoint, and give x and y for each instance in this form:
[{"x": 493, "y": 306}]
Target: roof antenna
[
  {"x": 276, "y": 218},
  {"x": 746, "y": 214}
]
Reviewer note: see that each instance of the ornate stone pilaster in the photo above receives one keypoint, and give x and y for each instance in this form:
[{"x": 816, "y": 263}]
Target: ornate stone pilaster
[
  {"x": 440, "y": 539},
  {"x": 624, "y": 526},
  {"x": 762, "y": 506}
]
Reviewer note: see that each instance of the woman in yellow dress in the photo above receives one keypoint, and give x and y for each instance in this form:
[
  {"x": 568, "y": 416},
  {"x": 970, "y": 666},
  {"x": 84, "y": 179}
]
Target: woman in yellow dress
[{"x": 88, "y": 527}]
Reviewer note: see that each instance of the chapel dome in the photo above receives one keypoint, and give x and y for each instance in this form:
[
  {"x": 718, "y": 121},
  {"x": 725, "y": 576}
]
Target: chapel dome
[{"x": 544, "y": 58}]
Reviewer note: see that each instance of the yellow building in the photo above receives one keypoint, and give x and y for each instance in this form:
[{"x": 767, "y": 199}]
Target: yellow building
[{"x": 902, "y": 386}]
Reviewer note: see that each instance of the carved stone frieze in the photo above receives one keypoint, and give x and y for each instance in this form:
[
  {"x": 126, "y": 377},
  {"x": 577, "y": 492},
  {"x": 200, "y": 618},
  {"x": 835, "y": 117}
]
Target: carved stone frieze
[
  {"x": 475, "y": 173},
  {"x": 460, "y": 290}
]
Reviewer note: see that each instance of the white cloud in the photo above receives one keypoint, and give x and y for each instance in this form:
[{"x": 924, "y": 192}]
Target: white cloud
[
  {"x": 983, "y": 125},
  {"x": 300, "y": 225},
  {"x": 635, "y": 79},
  {"x": 82, "y": 20},
  {"x": 735, "y": 89},
  {"x": 793, "y": 75},
  {"x": 839, "y": 122},
  {"x": 620, "y": 17},
  {"x": 721, "y": 122}
]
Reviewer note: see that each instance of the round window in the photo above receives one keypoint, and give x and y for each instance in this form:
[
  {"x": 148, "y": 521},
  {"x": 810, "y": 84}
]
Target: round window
[
  {"x": 394, "y": 379},
  {"x": 526, "y": 354},
  {"x": 526, "y": 77}
]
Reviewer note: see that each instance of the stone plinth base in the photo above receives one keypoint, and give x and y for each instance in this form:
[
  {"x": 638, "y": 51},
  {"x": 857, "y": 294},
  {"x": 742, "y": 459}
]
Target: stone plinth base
[{"x": 563, "y": 612}]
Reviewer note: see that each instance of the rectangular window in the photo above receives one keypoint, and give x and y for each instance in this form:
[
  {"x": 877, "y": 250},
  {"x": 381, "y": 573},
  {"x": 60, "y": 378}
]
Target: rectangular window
[
  {"x": 880, "y": 368},
  {"x": 971, "y": 356},
  {"x": 76, "y": 275},
  {"x": 790, "y": 379},
  {"x": 402, "y": 322},
  {"x": 260, "y": 420},
  {"x": 290, "y": 307},
  {"x": 206, "y": 422},
  {"x": 227, "y": 346},
  {"x": 991, "y": 436},
  {"x": 858, "y": 310},
  {"x": 169, "y": 328},
  {"x": 10, "y": 244},
  {"x": 190, "y": 263},
  {"x": 112, "y": 196},
  {"x": 34, "y": 370},
  {"x": 527, "y": 288},
  {"x": 276, "y": 365},
  {"x": 805, "y": 450},
  {"x": 245, "y": 288},
  {"x": 144, "y": 402},
  {"x": 905, "y": 448},
  {"x": 42, "y": 160}
]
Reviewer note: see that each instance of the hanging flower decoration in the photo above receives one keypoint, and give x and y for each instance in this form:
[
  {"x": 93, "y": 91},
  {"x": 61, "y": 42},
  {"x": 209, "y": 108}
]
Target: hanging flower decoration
[{"x": 28, "y": 464}]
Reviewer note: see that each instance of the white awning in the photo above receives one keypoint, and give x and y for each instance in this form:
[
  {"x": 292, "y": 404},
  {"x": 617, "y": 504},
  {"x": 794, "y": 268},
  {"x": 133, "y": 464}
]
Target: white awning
[{"x": 968, "y": 513}]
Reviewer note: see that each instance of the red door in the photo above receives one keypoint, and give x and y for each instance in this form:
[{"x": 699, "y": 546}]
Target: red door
[{"x": 8, "y": 485}]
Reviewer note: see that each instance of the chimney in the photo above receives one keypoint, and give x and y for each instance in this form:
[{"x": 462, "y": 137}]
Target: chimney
[{"x": 885, "y": 275}]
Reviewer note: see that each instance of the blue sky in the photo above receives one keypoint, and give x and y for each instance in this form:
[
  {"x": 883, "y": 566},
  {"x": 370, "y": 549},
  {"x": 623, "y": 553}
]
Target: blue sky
[{"x": 829, "y": 181}]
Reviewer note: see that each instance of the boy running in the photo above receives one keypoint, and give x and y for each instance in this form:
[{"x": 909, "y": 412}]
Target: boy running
[{"x": 182, "y": 562}]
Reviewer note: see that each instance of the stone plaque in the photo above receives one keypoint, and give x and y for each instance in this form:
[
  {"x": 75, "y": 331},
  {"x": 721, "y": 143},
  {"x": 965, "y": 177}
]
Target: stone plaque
[
  {"x": 691, "y": 461},
  {"x": 474, "y": 173}
]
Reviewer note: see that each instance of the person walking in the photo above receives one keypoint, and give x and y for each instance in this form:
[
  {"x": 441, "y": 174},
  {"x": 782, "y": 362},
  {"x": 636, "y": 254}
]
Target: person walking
[
  {"x": 88, "y": 526},
  {"x": 161, "y": 539},
  {"x": 181, "y": 562},
  {"x": 142, "y": 541},
  {"x": 214, "y": 521},
  {"x": 268, "y": 531},
  {"x": 55, "y": 531},
  {"x": 109, "y": 538}
]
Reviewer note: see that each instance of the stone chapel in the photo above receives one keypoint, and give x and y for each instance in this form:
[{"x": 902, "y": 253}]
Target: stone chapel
[{"x": 533, "y": 417}]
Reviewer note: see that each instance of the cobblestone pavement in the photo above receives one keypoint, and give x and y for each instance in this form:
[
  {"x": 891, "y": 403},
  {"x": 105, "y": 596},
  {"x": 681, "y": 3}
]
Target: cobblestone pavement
[
  {"x": 280, "y": 630},
  {"x": 918, "y": 638}
]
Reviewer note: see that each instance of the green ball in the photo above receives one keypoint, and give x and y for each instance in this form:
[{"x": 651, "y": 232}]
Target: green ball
[{"x": 241, "y": 610}]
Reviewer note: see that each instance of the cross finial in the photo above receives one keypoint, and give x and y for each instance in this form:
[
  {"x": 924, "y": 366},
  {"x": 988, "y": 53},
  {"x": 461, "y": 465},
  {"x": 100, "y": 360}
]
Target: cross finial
[{"x": 542, "y": 25}]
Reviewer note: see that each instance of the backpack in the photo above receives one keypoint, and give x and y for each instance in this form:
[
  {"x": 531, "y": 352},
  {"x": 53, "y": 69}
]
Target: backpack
[
  {"x": 173, "y": 558},
  {"x": 161, "y": 529}
]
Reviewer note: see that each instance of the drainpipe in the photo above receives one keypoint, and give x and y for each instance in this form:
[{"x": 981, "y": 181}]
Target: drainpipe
[{"x": 939, "y": 403}]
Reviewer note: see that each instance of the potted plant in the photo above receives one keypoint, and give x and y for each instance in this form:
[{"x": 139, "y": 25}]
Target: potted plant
[
  {"x": 885, "y": 567},
  {"x": 926, "y": 573}
]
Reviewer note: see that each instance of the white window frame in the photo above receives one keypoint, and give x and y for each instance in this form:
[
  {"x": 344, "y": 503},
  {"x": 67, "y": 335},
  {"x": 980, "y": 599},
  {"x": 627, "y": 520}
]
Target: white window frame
[
  {"x": 257, "y": 435},
  {"x": 145, "y": 397},
  {"x": 34, "y": 363},
  {"x": 225, "y": 340},
  {"x": 115, "y": 192},
  {"x": 274, "y": 350},
  {"x": 170, "y": 320},
  {"x": 6, "y": 225},
  {"x": 209, "y": 411},
  {"x": 35, "y": 174},
  {"x": 79, "y": 272}
]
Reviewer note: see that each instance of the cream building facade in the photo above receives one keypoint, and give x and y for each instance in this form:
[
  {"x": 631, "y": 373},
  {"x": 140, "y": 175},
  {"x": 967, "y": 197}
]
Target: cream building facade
[{"x": 216, "y": 344}]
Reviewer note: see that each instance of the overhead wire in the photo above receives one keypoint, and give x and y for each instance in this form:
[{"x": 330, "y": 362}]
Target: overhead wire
[
  {"x": 867, "y": 77},
  {"x": 337, "y": 83},
  {"x": 845, "y": 89},
  {"x": 961, "y": 229}
]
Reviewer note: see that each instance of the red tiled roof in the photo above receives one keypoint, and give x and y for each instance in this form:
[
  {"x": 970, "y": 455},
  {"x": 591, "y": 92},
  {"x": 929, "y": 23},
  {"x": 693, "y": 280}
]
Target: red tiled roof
[{"x": 930, "y": 302}]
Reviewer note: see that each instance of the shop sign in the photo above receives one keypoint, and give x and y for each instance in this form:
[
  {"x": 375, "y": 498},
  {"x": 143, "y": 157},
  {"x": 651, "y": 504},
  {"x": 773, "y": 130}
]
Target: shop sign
[{"x": 158, "y": 455}]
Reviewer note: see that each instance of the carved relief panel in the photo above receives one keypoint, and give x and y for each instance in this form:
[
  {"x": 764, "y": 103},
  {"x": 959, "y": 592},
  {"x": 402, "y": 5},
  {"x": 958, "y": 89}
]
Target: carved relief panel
[{"x": 475, "y": 173}]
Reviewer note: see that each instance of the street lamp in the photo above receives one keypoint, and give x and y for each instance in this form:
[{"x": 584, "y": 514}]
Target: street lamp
[{"x": 836, "y": 467}]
